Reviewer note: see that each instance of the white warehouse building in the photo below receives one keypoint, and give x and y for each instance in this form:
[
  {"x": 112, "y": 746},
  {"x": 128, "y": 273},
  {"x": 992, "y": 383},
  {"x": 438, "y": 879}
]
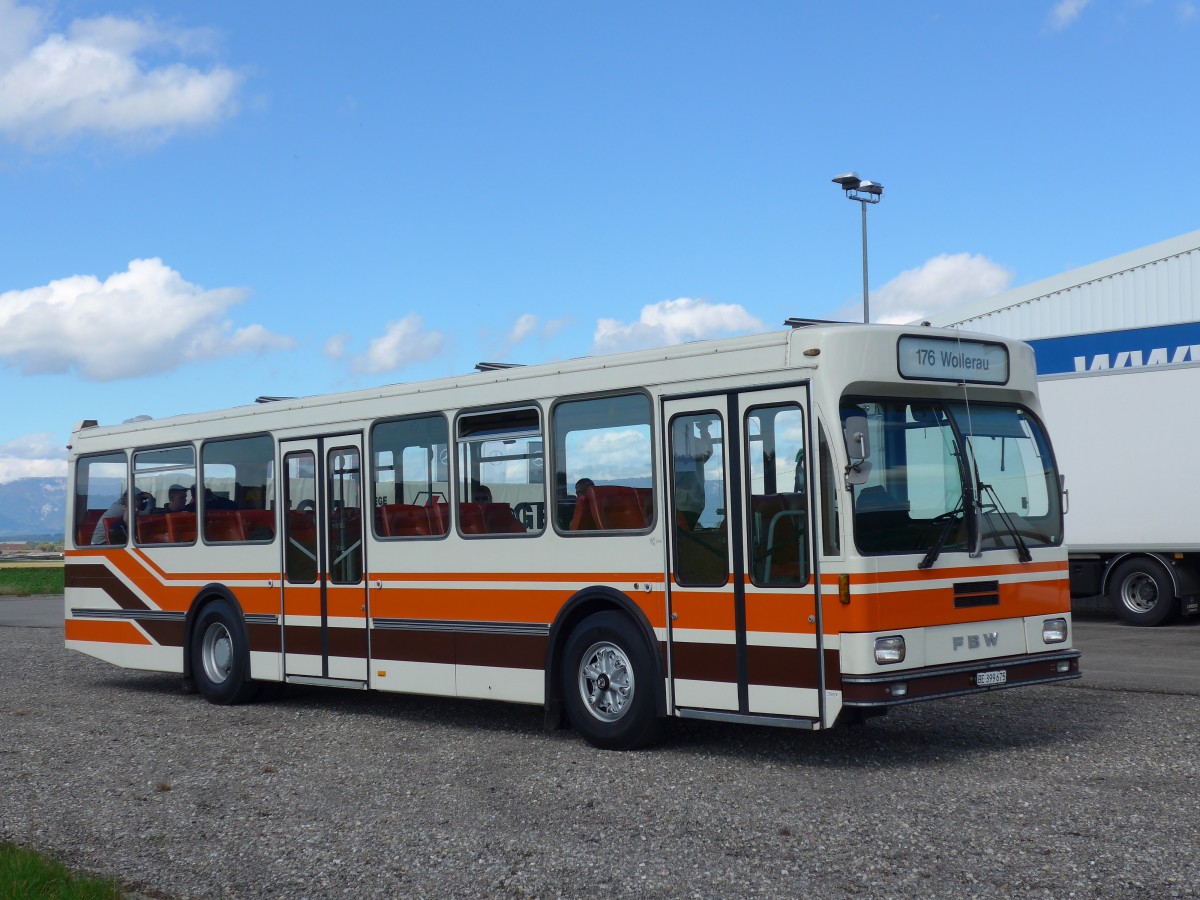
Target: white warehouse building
[{"x": 1118, "y": 356}]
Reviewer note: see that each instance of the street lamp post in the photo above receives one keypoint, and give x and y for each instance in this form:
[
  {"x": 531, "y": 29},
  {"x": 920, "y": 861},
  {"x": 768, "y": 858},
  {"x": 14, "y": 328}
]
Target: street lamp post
[{"x": 864, "y": 192}]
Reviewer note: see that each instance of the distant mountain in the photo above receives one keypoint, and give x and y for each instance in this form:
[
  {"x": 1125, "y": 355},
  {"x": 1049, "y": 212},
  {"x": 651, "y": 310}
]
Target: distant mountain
[{"x": 33, "y": 506}]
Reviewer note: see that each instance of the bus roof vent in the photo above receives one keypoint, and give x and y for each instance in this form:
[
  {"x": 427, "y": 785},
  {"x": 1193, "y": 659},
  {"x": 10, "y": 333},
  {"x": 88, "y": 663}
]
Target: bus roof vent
[
  {"x": 271, "y": 399},
  {"x": 137, "y": 419},
  {"x": 496, "y": 366},
  {"x": 805, "y": 323}
]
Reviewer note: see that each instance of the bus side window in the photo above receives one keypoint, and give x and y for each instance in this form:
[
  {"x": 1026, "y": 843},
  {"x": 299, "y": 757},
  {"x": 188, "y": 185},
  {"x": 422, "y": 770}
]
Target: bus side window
[
  {"x": 604, "y": 475},
  {"x": 100, "y": 515},
  {"x": 299, "y": 494},
  {"x": 831, "y": 542},
  {"x": 778, "y": 501},
  {"x": 410, "y": 477},
  {"x": 501, "y": 472},
  {"x": 698, "y": 499}
]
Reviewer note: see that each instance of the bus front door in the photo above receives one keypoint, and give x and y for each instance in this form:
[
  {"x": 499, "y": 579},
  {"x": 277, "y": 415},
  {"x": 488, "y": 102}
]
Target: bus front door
[
  {"x": 324, "y": 588},
  {"x": 744, "y": 638}
]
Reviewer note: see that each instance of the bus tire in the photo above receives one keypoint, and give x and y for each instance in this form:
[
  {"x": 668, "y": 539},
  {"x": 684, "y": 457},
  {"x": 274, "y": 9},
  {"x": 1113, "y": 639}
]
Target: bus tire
[
  {"x": 608, "y": 684},
  {"x": 220, "y": 658},
  {"x": 1142, "y": 591}
]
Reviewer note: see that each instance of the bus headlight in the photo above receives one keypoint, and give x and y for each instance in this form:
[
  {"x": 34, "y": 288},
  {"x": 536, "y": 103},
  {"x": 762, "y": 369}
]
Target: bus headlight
[
  {"x": 889, "y": 649},
  {"x": 1054, "y": 631}
]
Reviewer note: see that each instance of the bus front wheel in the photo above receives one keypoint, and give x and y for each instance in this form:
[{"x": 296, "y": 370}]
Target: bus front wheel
[
  {"x": 1142, "y": 592},
  {"x": 220, "y": 661},
  {"x": 608, "y": 684}
]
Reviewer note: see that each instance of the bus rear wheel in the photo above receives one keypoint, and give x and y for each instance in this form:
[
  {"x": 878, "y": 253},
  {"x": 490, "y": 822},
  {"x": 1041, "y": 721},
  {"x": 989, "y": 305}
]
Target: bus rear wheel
[
  {"x": 608, "y": 684},
  {"x": 1142, "y": 592},
  {"x": 220, "y": 658}
]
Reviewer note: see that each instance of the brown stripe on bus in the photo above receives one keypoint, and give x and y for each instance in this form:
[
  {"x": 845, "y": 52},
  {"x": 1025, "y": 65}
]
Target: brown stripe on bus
[
  {"x": 264, "y": 638},
  {"x": 413, "y": 646},
  {"x": 99, "y": 576},
  {"x": 168, "y": 633},
  {"x": 705, "y": 662},
  {"x": 793, "y": 667},
  {"x": 508, "y": 651},
  {"x": 304, "y": 639},
  {"x": 347, "y": 642}
]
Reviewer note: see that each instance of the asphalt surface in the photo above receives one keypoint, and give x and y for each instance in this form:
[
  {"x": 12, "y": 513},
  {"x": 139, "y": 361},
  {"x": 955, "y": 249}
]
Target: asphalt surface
[{"x": 1085, "y": 789}]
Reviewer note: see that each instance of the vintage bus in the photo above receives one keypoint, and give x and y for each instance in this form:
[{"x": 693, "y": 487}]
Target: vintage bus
[{"x": 797, "y": 529}]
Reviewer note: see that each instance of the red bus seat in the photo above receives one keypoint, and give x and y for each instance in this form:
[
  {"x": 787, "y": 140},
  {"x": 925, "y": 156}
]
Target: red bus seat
[
  {"x": 402, "y": 520},
  {"x": 257, "y": 524},
  {"x": 222, "y": 525},
  {"x": 152, "y": 529},
  {"x": 83, "y": 534},
  {"x": 181, "y": 527},
  {"x": 612, "y": 507}
]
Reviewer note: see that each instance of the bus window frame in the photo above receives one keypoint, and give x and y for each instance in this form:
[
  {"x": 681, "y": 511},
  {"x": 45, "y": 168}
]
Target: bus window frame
[
  {"x": 654, "y": 474},
  {"x": 201, "y": 504},
  {"x": 133, "y": 455},
  {"x": 127, "y": 452},
  {"x": 369, "y": 451},
  {"x": 805, "y": 529},
  {"x": 456, "y": 476}
]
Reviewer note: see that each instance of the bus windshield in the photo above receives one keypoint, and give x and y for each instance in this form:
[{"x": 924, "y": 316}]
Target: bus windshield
[{"x": 953, "y": 477}]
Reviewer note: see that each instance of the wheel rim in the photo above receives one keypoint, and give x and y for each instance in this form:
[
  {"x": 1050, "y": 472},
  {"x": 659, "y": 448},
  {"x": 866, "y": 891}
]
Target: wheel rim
[
  {"x": 216, "y": 653},
  {"x": 606, "y": 681},
  {"x": 1139, "y": 593}
]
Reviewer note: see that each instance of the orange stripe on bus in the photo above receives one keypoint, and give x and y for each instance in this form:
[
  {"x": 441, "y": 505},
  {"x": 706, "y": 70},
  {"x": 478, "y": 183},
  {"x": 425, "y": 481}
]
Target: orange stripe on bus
[{"x": 104, "y": 632}]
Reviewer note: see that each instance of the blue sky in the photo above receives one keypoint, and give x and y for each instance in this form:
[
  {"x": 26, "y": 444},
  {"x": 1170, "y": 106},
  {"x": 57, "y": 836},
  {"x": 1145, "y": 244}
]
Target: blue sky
[{"x": 201, "y": 203}]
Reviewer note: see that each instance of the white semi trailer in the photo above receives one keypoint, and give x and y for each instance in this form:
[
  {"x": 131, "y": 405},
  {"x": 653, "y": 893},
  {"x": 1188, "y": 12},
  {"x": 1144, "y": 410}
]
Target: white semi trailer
[
  {"x": 1118, "y": 357},
  {"x": 1126, "y": 437}
]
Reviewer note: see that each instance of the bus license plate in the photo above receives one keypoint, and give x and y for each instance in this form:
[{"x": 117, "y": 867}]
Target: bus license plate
[{"x": 983, "y": 679}]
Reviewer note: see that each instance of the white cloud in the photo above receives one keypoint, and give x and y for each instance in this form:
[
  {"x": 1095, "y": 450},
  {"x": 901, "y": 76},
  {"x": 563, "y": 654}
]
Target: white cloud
[
  {"x": 97, "y": 77},
  {"x": 1065, "y": 13},
  {"x": 143, "y": 321},
  {"x": 403, "y": 343},
  {"x": 940, "y": 283},
  {"x": 32, "y": 456},
  {"x": 673, "y": 322},
  {"x": 1187, "y": 11},
  {"x": 335, "y": 347},
  {"x": 527, "y": 326}
]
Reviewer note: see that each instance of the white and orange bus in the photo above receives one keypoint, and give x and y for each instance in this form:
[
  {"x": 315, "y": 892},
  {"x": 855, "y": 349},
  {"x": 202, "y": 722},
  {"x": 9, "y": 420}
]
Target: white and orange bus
[{"x": 794, "y": 529}]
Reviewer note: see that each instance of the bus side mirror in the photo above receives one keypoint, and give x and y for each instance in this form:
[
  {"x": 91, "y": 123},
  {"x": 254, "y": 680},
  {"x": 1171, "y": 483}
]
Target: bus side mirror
[{"x": 858, "y": 449}]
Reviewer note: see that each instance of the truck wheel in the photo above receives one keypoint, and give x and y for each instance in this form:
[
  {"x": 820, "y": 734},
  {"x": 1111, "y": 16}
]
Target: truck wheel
[
  {"x": 1142, "y": 592},
  {"x": 220, "y": 661},
  {"x": 608, "y": 683}
]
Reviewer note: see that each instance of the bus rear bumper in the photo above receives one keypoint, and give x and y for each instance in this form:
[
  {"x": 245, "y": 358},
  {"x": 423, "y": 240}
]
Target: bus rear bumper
[{"x": 976, "y": 677}]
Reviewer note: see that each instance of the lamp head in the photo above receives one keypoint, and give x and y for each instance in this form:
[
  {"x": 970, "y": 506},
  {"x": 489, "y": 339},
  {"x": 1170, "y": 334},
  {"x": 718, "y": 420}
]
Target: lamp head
[
  {"x": 871, "y": 187},
  {"x": 849, "y": 181}
]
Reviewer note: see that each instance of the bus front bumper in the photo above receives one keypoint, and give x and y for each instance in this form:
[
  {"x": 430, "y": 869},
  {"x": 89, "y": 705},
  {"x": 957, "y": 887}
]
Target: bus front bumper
[{"x": 976, "y": 677}]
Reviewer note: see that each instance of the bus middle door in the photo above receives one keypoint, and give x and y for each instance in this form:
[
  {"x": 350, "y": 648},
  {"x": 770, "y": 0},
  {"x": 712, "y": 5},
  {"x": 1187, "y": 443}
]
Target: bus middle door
[{"x": 324, "y": 586}]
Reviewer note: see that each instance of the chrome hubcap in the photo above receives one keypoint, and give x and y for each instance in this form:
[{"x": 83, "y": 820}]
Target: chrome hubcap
[{"x": 606, "y": 681}]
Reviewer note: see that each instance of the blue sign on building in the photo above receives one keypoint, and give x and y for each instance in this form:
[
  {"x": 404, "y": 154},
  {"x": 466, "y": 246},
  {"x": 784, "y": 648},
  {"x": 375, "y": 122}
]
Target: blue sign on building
[{"x": 1132, "y": 348}]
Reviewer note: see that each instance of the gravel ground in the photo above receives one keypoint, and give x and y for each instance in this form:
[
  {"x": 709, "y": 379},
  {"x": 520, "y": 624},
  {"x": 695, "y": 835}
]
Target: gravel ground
[{"x": 1059, "y": 791}]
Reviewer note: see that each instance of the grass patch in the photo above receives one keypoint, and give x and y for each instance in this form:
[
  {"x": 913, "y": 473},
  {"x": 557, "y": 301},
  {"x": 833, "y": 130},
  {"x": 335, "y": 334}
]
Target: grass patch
[
  {"x": 26, "y": 874},
  {"x": 22, "y": 581}
]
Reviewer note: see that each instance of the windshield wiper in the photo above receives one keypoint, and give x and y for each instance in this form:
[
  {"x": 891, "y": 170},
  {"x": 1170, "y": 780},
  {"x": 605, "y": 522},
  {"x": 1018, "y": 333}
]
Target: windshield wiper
[
  {"x": 1023, "y": 553},
  {"x": 949, "y": 520}
]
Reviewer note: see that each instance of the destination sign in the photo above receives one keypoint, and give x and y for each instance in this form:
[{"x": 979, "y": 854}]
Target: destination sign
[{"x": 950, "y": 359}]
